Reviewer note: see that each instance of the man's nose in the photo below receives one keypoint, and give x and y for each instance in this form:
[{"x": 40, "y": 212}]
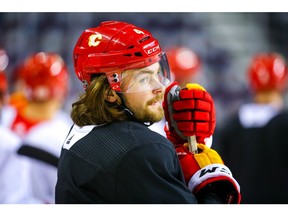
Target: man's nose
[{"x": 158, "y": 89}]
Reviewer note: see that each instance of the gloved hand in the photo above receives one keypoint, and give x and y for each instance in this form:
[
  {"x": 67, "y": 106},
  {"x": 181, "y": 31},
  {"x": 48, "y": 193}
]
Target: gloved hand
[
  {"x": 189, "y": 111},
  {"x": 205, "y": 171}
]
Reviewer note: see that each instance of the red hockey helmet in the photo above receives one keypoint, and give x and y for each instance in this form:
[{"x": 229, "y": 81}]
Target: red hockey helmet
[
  {"x": 267, "y": 71},
  {"x": 183, "y": 62},
  {"x": 3, "y": 82},
  {"x": 3, "y": 64},
  {"x": 114, "y": 47},
  {"x": 44, "y": 75}
]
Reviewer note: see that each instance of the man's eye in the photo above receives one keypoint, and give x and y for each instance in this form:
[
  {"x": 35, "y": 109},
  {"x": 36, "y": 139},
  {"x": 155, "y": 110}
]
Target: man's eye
[{"x": 144, "y": 80}]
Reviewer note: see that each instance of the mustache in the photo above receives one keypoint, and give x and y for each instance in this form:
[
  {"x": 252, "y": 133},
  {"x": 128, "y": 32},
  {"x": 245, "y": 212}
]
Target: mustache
[{"x": 158, "y": 97}]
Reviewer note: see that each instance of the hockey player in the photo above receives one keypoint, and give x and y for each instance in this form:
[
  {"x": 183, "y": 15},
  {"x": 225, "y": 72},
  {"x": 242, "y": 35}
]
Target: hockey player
[
  {"x": 184, "y": 64},
  {"x": 110, "y": 156},
  {"x": 253, "y": 141},
  {"x": 39, "y": 120}
]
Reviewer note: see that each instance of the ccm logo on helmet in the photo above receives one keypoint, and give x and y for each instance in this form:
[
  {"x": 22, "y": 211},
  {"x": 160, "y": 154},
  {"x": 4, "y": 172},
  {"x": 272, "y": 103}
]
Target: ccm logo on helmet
[
  {"x": 152, "y": 50},
  {"x": 94, "y": 40}
]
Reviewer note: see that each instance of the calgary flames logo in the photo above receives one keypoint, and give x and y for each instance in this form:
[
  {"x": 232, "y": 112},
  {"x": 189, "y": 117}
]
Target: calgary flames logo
[
  {"x": 94, "y": 40},
  {"x": 138, "y": 31}
]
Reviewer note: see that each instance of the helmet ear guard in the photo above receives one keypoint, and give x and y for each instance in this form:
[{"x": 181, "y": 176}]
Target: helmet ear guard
[{"x": 114, "y": 47}]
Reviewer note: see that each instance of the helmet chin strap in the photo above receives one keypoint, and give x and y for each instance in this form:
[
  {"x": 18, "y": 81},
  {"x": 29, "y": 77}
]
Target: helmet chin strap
[{"x": 128, "y": 112}]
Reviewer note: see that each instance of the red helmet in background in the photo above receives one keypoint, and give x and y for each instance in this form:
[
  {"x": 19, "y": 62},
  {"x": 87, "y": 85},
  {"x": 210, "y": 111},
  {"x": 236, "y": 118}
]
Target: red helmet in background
[
  {"x": 114, "y": 47},
  {"x": 44, "y": 76},
  {"x": 3, "y": 64},
  {"x": 183, "y": 62},
  {"x": 267, "y": 71},
  {"x": 3, "y": 82}
]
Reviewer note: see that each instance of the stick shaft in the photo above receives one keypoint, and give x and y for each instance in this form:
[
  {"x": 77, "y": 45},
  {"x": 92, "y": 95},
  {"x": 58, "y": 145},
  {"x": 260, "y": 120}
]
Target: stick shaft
[{"x": 192, "y": 144}]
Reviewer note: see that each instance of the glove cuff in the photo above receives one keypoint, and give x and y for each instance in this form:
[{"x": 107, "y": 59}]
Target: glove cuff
[{"x": 212, "y": 171}]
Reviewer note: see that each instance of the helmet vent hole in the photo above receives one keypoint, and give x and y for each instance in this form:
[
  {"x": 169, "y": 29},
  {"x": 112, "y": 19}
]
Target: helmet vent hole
[
  {"x": 144, "y": 39},
  {"x": 139, "y": 54}
]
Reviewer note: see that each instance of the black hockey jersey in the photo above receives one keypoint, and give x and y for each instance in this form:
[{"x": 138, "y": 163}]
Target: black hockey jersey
[
  {"x": 258, "y": 158},
  {"x": 122, "y": 162}
]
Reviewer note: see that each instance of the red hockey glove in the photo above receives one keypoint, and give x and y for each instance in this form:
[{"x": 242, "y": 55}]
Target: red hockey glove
[
  {"x": 189, "y": 111},
  {"x": 205, "y": 171}
]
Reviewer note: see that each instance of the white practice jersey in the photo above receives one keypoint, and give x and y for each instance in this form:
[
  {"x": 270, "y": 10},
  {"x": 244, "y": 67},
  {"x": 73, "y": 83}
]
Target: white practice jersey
[
  {"x": 13, "y": 169},
  {"x": 48, "y": 137},
  {"x": 159, "y": 127}
]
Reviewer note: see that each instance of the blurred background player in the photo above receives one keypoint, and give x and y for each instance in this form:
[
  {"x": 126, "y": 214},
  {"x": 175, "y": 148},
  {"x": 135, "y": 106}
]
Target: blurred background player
[
  {"x": 254, "y": 143},
  {"x": 3, "y": 79},
  {"x": 41, "y": 84},
  {"x": 184, "y": 65},
  {"x": 12, "y": 166}
]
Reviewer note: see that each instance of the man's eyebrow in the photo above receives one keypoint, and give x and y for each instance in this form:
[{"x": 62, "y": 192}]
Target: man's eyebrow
[
  {"x": 146, "y": 71},
  {"x": 141, "y": 72},
  {"x": 149, "y": 71}
]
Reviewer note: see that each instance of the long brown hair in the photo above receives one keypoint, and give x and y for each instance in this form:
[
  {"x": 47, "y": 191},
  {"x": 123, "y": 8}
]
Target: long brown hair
[{"x": 93, "y": 109}]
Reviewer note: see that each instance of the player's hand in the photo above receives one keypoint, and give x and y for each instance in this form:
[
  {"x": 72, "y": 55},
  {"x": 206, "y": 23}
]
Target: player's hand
[
  {"x": 205, "y": 171},
  {"x": 189, "y": 111}
]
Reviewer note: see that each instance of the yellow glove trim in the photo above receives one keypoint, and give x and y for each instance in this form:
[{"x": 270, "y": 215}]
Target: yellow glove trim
[
  {"x": 207, "y": 156},
  {"x": 190, "y": 86}
]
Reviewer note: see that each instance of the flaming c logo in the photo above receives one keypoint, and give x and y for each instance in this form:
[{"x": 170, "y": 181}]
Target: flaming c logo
[
  {"x": 138, "y": 31},
  {"x": 94, "y": 40}
]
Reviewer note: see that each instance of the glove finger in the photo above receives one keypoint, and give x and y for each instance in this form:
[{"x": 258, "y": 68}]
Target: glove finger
[
  {"x": 194, "y": 128},
  {"x": 192, "y": 116},
  {"x": 195, "y": 116},
  {"x": 202, "y": 159},
  {"x": 192, "y": 104},
  {"x": 184, "y": 104},
  {"x": 202, "y": 147},
  {"x": 207, "y": 156},
  {"x": 202, "y": 105},
  {"x": 195, "y": 94},
  {"x": 213, "y": 155}
]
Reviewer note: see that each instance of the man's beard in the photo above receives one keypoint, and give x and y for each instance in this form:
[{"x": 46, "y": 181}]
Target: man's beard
[{"x": 145, "y": 113}]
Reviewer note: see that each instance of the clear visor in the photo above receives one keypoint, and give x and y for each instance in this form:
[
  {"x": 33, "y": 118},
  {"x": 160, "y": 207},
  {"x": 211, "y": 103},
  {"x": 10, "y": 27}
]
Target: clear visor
[{"x": 137, "y": 78}]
